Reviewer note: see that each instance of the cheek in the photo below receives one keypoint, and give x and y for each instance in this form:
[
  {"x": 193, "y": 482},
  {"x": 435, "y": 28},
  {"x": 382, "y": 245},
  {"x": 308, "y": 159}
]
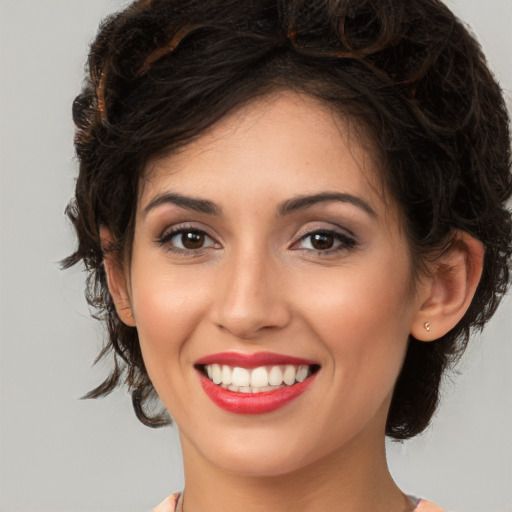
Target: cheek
[
  {"x": 364, "y": 325},
  {"x": 168, "y": 306},
  {"x": 363, "y": 319},
  {"x": 355, "y": 302}
]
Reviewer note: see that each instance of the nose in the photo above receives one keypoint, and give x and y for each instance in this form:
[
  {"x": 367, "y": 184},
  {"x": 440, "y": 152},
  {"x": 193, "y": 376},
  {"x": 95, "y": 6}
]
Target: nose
[{"x": 251, "y": 299}]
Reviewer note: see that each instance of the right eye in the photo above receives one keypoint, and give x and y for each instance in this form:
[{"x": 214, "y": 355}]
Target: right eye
[{"x": 187, "y": 240}]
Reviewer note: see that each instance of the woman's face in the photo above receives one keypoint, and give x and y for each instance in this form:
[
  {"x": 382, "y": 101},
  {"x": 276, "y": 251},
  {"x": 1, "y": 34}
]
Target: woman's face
[{"x": 265, "y": 252}]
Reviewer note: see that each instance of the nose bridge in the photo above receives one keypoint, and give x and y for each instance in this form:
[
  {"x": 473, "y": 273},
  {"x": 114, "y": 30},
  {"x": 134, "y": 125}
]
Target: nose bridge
[{"x": 250, "y": 298}]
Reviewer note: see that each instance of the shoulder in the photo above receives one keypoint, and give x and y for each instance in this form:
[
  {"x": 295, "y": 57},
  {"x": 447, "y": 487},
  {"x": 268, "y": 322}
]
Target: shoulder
[
  {"x": 169, "y": 504},
  {"x": 427, "y": 506}
]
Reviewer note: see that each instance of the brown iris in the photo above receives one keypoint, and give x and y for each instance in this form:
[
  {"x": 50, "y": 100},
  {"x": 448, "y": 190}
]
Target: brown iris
[
  {"x": 322, "y": 241},
  {"x": 192, "y": 239}
]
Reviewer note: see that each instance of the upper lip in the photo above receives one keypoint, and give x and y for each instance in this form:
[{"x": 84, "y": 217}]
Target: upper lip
[{"x": 255, "y": 360}]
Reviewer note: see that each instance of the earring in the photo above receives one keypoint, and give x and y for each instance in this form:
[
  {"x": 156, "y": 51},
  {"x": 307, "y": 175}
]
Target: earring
[
  {"x": 130, "y": 314},
  {"x": 427, "y": 326}
]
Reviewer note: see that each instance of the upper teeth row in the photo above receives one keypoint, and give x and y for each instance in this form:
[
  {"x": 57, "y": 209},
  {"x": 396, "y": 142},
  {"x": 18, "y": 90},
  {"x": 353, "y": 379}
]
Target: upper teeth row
[{"x": 257, "y": 377}]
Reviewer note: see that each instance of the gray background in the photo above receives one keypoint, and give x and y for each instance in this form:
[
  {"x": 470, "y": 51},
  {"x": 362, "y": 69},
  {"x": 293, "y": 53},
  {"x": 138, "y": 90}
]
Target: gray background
[{"x": 58, "y": 453}]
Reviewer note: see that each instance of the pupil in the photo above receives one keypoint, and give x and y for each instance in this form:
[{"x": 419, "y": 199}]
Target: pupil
[
  {"x": 192, "y": 240},
  {"x": 322, "y": 241}
]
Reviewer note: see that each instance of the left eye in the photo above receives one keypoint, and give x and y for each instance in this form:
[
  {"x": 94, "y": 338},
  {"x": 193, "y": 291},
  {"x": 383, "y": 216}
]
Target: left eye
[
  {"x": 325, "y": 241},
  {"x": 190, "y": 239}
]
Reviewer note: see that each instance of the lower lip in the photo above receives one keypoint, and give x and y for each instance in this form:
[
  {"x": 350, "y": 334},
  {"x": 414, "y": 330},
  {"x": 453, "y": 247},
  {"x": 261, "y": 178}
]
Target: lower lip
[{"x": 253, "y": 403}]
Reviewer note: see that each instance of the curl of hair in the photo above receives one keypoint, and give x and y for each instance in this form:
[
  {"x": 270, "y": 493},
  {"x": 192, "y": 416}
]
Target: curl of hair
[{"x": 162, "y": 71}]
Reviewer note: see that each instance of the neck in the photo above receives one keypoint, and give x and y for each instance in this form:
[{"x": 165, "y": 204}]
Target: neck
[{"x": 349, "y": 479}]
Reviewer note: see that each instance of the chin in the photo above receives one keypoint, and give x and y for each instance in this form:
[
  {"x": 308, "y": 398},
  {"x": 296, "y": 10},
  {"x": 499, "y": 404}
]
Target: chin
[
  {"x": 260, "y": 458},
  {"x": 260, "y": 466}
]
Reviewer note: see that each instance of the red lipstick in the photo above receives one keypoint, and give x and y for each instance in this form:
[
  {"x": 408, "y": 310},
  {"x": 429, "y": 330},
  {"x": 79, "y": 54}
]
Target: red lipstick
[
  {"x": 253, "y": 403},
  {"x": 253, "y": 360}
]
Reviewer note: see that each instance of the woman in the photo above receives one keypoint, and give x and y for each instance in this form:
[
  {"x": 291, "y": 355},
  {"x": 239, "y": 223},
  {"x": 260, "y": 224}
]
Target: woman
[{"x": 293, "y": 214}]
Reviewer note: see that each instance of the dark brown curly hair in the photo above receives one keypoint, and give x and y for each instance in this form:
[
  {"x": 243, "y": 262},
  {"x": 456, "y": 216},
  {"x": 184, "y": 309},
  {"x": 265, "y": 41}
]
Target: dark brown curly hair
[{"x": 162, "y": 71}]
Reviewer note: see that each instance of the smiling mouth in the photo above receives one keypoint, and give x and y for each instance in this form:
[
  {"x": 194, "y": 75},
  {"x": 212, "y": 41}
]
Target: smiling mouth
[{"x": 257, "y": 380}]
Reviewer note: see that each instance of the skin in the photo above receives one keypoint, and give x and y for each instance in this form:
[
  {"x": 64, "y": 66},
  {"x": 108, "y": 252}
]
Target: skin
[{"x": 257, "y": 283}]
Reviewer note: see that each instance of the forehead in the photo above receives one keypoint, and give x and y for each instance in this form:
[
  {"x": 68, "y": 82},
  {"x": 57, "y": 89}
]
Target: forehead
[{"x": 281, "y": 141}]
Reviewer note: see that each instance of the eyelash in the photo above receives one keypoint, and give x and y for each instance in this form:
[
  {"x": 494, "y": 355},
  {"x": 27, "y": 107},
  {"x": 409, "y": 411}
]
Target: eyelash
[
  {"x": 166, "y": 238},
  {"x": 345, "y": 242}
]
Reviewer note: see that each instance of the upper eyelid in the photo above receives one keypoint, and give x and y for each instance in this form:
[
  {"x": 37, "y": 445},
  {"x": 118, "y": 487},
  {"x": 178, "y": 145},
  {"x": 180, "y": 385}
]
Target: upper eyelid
[
  {"x": 332, "y": 228},
  {"x": 180, "y": 227},
  {"x": 326, "y": 231}
]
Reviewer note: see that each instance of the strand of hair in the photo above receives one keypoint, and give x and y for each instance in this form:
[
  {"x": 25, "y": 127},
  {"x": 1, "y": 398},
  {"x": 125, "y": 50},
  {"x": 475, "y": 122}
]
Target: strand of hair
[{"x": 169, "y": 47}]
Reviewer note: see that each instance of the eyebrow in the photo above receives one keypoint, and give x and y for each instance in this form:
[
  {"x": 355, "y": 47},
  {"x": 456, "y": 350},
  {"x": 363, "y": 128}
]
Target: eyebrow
[
  {"x": 189, "y": 203},
  {"x": 294, "y": 204},
  {"x": 306, "y": 201}
]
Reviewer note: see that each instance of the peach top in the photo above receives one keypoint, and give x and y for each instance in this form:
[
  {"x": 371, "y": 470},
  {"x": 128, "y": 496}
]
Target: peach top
[{"x": 170, "y": 505}]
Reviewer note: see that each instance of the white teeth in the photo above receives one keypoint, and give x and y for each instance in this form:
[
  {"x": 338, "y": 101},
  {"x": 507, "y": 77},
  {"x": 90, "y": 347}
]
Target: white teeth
[
  {"x": 275, "y": 377},
  {"x": 289, "y": 375},
  {"x": 302, "y": 373},
  {"x": 240, "y": 377},
  {"x": 216, "y": 374},
  {"x": 226, "y": 375},
  {"x": 259, "y": 377},
  {"x": 257, "y": 380},
  {"x": 249, "y": 389}
]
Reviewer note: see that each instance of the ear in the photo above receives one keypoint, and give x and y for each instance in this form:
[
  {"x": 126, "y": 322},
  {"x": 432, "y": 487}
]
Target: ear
[
  {"x": 447, "y": 291},
  {"x": 116, "y": 280}
]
